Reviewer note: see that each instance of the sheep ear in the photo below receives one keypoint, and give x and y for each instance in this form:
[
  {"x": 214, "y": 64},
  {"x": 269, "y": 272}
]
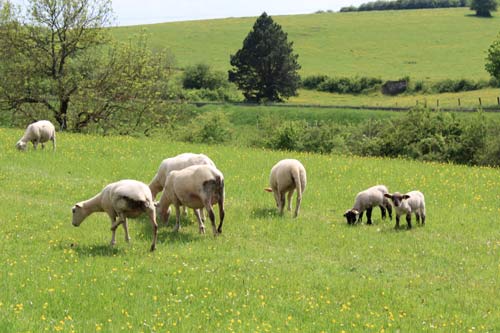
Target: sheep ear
[
  {"x": 355, "y": 211},
  {"x": 406, "y": 196},
  {"x": 268, "y": 189},
  {"x": 387, "y": 195},
  {"x": 79, "y": 205}
]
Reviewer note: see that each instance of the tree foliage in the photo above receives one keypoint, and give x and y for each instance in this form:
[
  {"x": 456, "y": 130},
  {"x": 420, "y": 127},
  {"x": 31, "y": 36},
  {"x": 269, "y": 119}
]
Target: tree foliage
[
  {"x": 493, "y": 59},
  {"x": 483, "y": 7},
  {"x": 265, "y": 68},
  {"x": 41, "y": 51}
]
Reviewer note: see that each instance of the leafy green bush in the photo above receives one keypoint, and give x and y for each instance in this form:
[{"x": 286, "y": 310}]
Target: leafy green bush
[
  {"x": 312, "y": 82},
  {"x": 210, "y": 127},
  {"x": 346, "y": 85},
  {"x": 201, "y": 76}
]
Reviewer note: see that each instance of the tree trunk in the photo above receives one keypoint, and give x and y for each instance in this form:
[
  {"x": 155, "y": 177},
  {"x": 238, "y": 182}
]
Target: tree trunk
[{"x": 62, "y": 115}]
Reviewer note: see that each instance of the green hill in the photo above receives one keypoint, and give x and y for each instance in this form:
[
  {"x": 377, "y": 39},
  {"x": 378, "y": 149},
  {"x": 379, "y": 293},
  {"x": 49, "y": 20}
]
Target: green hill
[{"x": 424, "y": 44}]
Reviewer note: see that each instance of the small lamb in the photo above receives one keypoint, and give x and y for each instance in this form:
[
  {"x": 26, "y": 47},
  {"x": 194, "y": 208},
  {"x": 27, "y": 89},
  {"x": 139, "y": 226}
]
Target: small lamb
[
  {"x": 197, "y": 186},
  {"x": 366, "y": 200},
  {"x": 287, "y": 176},
  {"x": 38, "y": 132},
  {"x": 122, "y": 199},
  {"x": 178, "y": 162},
  {"x": 411, "y": 202}
]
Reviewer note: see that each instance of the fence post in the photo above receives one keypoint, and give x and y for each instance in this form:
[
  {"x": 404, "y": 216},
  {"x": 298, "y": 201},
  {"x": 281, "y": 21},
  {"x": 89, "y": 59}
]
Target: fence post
[
  {"x": 480, "y": 101},
  {"x": 459, "y": 102},
  {"x": 498, "y": 100},
  {"x": 437, "y": 102}
]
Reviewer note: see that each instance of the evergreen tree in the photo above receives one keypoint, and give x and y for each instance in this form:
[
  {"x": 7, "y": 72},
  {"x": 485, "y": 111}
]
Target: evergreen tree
[
  {"x": 265, "y": 68},
  {"x": 483, "y": 7}
]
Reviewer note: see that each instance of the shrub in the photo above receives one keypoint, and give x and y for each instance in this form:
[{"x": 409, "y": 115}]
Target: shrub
[
  {"x": 210, "y": 127},
  {"x": 200, "y": 76},
  {"x": 345, "y": 85},
  {"x": 312, "y": 82}
]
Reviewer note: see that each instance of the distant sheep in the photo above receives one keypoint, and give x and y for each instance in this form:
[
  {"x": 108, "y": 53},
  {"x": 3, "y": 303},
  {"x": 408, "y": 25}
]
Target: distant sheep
[
  {"x": 365, "y": 201},
  {"x": 411, "y": 202},
  {"x": 197, "y": 186},
  {"x": 287, "y": 176},
  {"x": 125, "y": 198},
  {"x": 38, "y": 132},
  {"x": 178, "y": 162}
]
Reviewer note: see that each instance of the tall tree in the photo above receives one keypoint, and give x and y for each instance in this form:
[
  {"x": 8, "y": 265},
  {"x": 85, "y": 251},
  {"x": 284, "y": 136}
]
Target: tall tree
[
  {"x": 492, "y": 65},
  {"x": 40, "y": 51},
  {"x": 483, "y": 7},
  {"x": 265, "y": 68}
]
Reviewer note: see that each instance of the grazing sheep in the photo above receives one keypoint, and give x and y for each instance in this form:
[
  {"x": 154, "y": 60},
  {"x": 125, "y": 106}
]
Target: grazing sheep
[
  {"x": 197, "y": 186},
  {"x": 287, "y": 176},
  {"x": 178, "y": 162},
  {"x": 366, "y": 200},
  {"x": 411, "y": 202},
  {"x": 38, "y": 132},
  {"x": 125, "y": 198}
]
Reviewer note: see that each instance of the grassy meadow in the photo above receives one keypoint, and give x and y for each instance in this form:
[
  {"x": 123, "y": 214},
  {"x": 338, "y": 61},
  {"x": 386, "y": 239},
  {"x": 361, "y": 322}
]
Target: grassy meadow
[
  {"x": 426, "y": 45},
  {"x": 265, "y": 272}
]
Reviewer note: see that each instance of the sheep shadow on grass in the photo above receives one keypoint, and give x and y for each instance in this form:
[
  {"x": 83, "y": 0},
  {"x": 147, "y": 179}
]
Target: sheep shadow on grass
[
  {"x": 265, "y": 213},
  {"x": 166, "y": 233},
  {"x": 100, "y": 250}
]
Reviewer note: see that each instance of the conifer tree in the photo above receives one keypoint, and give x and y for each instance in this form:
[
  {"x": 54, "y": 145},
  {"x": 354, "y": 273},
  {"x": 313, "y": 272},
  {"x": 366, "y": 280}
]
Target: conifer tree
[{"x": 265, "y": 68}]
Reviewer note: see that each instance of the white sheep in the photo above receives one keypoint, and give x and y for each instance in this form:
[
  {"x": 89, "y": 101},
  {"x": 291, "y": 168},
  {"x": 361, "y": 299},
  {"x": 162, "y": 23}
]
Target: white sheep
[
  {"x": 178, "y": 162},
  {"x": 411, "y": 202},
  {"x": 365, "y": 201},
  {"x": 38, "y": 132},
  {"x": 287, "y": 176},
  {"x": 197, "y": 186},
  {"x": 122, "y": 199}
]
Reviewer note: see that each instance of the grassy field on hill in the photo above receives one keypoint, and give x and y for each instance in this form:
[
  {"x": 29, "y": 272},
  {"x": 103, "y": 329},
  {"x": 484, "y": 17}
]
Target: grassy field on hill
[
  {"x": 265, "y": 272},
  {"x": 424, "y": 44}
]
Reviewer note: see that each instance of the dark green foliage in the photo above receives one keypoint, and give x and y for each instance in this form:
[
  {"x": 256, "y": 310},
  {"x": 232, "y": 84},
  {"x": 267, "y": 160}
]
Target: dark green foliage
[
  {"x": 483, "y": 8},
  {"x": 210, "y": 127},
  {"x": 493, "y": 60},
  {"x": 265, "y": 68},
  {"x": 449, "y": 85},
  {"x": 341, "y": 85},
  {"x": 201, "y": 76},
  {"x": 405, "y": 4}
]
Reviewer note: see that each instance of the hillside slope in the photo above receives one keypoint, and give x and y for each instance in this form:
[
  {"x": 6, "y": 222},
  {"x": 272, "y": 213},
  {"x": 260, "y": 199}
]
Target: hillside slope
[{"x": 424, "y": 44}]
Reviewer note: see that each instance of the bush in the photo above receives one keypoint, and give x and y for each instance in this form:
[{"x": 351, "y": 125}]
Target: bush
[
  {"x": 312, "y": 82},
  {"x": 200, "y": 76},
  {"x": 345, "y": 85},
  {"x": 211, "y": 127}
]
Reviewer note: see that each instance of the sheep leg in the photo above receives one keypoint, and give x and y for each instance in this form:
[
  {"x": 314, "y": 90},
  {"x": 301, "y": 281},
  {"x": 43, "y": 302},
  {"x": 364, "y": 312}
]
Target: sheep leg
[
  {"x": 35, "y": 144},
  {"x": 125, "y": 227},
  {"x": 177, "y": 217},
  {"x": 154, "y": 225},
  {"x": 164, "y": 208},
  {"x": 53, "y": 143},
  {"x": 397, "y": 222},
  {"x": 423, "y": 216},
  {"x": 408, "y": 220},
  {"x": 417, "y": 217},
  {"x": 389, "y": 210},
  {"x": 289, "y": 195},
  {"x": 222, "y": 213},
  {"x": 184, "y": 211},
  {"x": 211, "y": 215},
  {"x": 360, "y": 217},
  {"x": 297, "y": 203},
  {"x": 114, "y": 225},
  {"x": 200, "y": 222},
  {"x": 369, "y": 215},
  {"x": 382, "y": 210},
  {"x": 280, "y": 200}
]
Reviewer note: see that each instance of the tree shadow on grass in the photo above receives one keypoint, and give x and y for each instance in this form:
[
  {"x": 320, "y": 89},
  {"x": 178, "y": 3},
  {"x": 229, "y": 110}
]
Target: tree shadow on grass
[{"x": 264, "y": 213}]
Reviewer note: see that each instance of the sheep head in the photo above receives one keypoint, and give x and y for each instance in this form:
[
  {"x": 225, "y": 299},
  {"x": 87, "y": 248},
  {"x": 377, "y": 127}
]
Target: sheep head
[
  {"x": 78, "y": 214},
  {"x": 21, "y": 145},
  {"x": 351, "y": 216}
]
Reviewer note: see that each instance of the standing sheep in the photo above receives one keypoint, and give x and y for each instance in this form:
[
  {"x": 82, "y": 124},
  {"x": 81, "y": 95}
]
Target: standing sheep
[
  {"x": 366, "y": 200},
  {"x": 38, "y": 132},
  {"x": 411, "y": 202},
  {"x": 287, "y": 176},
  {"x": 197, "y": 186},
  {"x": 178, "y": 162},
  {"x": 125, "y": 198}
]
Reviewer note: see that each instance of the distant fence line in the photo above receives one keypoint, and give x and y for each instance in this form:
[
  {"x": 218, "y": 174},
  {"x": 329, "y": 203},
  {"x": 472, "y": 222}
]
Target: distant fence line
[{"x": 487, "y": 108}]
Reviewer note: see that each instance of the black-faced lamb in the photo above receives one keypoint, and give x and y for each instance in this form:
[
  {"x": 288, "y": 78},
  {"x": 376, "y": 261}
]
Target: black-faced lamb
[
  {"x": 38, "y": 132},
  {"x": 120, "y": 200},
  {"x": 287, "y": 176},
  {"x": 411, "y": 202},
  {"x": 178, "y": 162},
  {"x": 365, "y": 201},
  {"x": 197, "y": 186}
]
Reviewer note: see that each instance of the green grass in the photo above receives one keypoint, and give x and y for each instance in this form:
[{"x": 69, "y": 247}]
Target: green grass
[
  {"x": 265, "y": 272},
  {"x": 424, "y": 44}
]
